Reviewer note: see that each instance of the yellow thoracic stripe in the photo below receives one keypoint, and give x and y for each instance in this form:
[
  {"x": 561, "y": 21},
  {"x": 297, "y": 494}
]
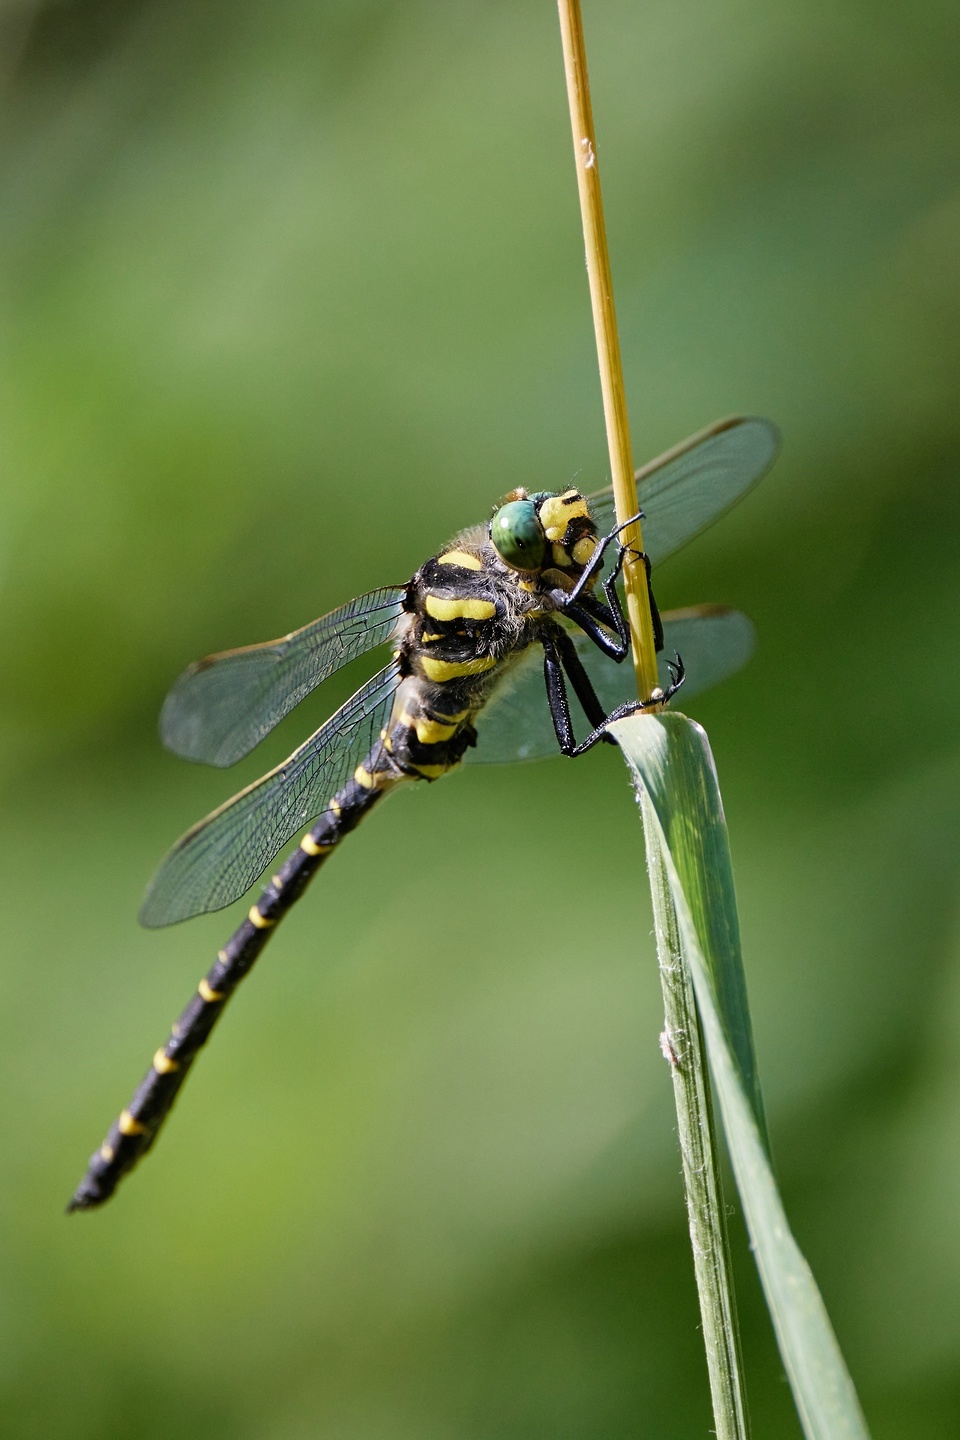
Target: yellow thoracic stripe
[
  {"x": 441, "y": 670},
  {"x": 557, "y": 512},
  {"x": 584, "y": 549},
  {"x": 460, "y": 609},
  {"x": 460, "y": 557},
  {"x": 430, "y": 732}
]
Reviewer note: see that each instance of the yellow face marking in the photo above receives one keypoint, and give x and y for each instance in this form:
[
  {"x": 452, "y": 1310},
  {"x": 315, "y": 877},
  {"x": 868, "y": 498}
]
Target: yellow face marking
[
  {"x": 460, "y": 609},
  {"x": 560, "y": 556},
  {"x": 128, "y": 1126},
  {"x": 260, "y": 921},
  {"x": 106, "y": 1152},
  {"x": 460, "y": 557},
  {"x": 208, "y": 993},
  {"x": 430, "y": 732},
  {"x": 583, "y": 550},
  {"x": 556, "y": 513},
  {"x": 309, "y": 846},
  {"x": 432, "y": 772},
  {"x": 442, "y": 670},
  {"x": 163, "y": 1064}
]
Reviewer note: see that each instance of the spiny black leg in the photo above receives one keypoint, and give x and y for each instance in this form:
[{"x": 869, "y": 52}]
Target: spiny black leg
[
  {"x": 553, "y": 649},
  {"x": 613, "y": 597},
  {"x": 557, "y": 698},
  {"x": 585, "y": 609},
  {"x": 560, "y": 706},
  {"x": 577, "y": 602},
  {"x": 580, "y": 680},
  {"x": 579, "y": 613},
  {"x": 635, "y": 707},
  {"x": 596, "y": 559},
  {"x": 613, "y": 600}
]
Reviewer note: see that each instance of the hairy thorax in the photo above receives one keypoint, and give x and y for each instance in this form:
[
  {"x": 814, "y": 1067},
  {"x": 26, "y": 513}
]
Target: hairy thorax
[{"x": 468, "y": 617}]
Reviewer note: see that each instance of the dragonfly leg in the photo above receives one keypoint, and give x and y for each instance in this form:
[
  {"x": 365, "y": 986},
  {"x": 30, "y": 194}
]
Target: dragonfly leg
[
  {"x": 585, "y": 609},
  {"x": 559, "y": 655},
  {"x": 560, "y": 705},
  {"x": 613, "y": 599},
  {"x": 586, "y": 613},
  {"x": 596, "y": 559},
  {"x": 131, "y": 1136},
  {"x": 579, "y": 679}
]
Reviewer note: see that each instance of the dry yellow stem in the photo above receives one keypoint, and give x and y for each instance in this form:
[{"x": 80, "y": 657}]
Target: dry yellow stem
[{"x": 608, "y": 344}]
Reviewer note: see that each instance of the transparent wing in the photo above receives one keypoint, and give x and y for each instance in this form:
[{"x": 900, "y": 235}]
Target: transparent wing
[
  {"x": 515, "y": 724},
  {"x": 221, "y": 856},
  {"x": 687, "y": 488},
  {"x": 223, "y": 706}
]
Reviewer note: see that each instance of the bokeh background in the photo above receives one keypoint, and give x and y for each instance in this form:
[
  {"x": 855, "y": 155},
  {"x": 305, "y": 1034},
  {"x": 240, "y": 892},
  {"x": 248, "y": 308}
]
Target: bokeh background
[{"x": 291, "y": 292}]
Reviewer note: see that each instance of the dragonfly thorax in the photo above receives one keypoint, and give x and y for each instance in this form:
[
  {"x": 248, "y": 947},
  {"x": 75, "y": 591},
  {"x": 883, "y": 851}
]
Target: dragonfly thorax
[{"x": 469, "y": 615}]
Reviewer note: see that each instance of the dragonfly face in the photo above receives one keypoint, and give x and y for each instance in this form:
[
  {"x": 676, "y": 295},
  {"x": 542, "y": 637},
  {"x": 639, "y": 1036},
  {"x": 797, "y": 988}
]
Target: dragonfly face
[
  {"x": 534, "y": 533},
  {"x": 486, "y": 638}
]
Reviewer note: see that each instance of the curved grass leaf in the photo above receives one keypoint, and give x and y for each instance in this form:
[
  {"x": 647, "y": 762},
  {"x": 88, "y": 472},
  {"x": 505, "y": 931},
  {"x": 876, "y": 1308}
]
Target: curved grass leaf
[{"x": 675, "y": 776}]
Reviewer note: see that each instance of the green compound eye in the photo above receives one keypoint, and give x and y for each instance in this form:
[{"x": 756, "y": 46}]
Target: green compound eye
[{"x": 518, "y": 535}]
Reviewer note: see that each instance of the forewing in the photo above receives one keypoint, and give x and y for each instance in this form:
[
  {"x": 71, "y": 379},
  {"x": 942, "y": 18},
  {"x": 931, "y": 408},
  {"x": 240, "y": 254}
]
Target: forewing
[
  {"x": 223, "y": 706},
  {"x": 515, "y": 724},
  {"x": 215, "y": 862},
  {"x": 687, "y": 488}
]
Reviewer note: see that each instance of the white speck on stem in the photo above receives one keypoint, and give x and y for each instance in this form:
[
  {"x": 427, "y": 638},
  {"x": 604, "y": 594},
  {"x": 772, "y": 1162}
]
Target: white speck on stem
[{"x": 589, "y": 154}]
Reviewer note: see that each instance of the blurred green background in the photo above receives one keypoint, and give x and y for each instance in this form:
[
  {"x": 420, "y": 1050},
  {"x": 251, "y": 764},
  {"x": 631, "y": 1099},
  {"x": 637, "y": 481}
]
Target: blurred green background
[{"x": 291, "y": 292}]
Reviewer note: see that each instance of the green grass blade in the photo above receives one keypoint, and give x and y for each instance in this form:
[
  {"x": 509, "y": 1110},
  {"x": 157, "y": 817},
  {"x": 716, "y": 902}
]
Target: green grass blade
[
  {"x": 674, "y": 770},
  {"x": 683, "y": 1047}
]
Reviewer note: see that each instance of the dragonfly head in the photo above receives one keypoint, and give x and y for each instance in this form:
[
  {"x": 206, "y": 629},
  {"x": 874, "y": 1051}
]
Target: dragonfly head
[{"x": 539, "y": 531}]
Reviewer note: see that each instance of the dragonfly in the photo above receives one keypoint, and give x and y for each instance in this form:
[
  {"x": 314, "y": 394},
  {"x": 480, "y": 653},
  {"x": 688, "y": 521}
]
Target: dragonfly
[{"x": 486, "y": 639}]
